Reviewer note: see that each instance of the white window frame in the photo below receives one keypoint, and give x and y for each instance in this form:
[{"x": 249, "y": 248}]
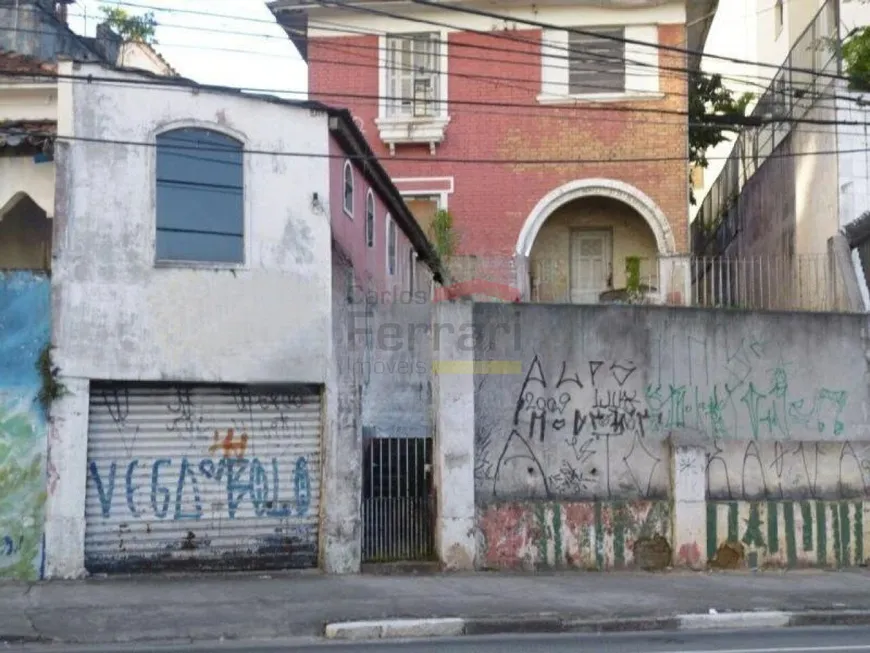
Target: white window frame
[
  {"x": 369, "y": 227},
  {"x": 778, "y": 18},
  {"x": 348, "y": 167},
  {"x": 407, "y": 128},
  {"x": 390, "y": 233},
  {"x": 642, "y": 61}
]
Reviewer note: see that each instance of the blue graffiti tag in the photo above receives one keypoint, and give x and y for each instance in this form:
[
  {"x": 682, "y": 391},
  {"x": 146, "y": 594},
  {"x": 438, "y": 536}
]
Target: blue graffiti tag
[
  {"x": 9, "y": 546},
  {"x": 242, "y": 479},
  {"x": 302, "y": 486}
]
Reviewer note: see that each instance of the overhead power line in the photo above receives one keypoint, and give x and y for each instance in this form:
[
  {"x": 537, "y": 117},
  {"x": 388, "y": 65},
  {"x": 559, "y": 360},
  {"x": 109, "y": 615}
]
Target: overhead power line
[
  {"x": 428, "y": 159},
  {"x": 340, "y": 27},
  {"x": 182, "y": 85},
  {"x": 582, "y": 32}
]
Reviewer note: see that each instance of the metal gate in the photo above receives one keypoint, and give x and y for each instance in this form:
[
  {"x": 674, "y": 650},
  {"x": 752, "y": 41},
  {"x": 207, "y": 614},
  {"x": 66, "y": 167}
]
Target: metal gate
[
  {"x": 398, "y": 503},
  {"x": 202, "y": 477}
]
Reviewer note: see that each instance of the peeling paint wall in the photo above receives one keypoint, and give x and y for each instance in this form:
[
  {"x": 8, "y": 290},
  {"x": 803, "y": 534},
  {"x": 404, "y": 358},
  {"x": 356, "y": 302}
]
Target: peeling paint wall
[
  {"x": 787, "y": 533},
  {"x": 120, "y": 316},
  {"x": 25, "y": 323},
  {"x": 595, "y": 536}
]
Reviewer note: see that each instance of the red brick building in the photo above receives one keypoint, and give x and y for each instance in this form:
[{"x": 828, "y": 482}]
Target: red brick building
[{"x": 522, "y": 134}]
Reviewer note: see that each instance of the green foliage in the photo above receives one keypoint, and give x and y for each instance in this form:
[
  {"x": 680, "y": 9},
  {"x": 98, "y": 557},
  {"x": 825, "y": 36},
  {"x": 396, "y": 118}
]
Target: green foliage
[
  {"x": 445, "y": 239},
  {"x": 855, "y": 51},
  {"x": 22, "y": 493},
  {"x": 131, "y": 28},
  {"x": 632, "y": 274},
  {"x": 708, "y": 96},
  {"x": 51, "y": 388}
]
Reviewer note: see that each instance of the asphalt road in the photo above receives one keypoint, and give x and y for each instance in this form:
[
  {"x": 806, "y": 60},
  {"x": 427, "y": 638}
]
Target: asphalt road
[{"x": 782, "y": 640}]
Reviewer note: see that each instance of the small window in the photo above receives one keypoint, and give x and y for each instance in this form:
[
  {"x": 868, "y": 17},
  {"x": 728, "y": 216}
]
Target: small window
[
  {"x": 370, "y": 219},
  {"x": 391, "y": 246},
  {"x": 200, "y": 197},
  {"x": 596, "y": 61},
  {"x": 348, "y": 188}
]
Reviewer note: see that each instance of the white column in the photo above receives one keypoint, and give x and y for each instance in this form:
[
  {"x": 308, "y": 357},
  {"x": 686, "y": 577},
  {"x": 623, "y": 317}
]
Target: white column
[
  {"x": 67, "y": 479},
  {"x": 453, "y": 395},
  {"x": 690, "y": 504}
]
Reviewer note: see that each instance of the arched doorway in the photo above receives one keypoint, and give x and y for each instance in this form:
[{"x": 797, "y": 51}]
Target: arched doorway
[{"x": 588, "y": 240}]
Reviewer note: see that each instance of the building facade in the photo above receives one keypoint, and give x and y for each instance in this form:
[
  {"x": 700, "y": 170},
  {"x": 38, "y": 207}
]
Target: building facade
[
  {"x": 195, "y": 300},
  {"x": 528, "y": 145},
  {"x": 794, "y": 182}
]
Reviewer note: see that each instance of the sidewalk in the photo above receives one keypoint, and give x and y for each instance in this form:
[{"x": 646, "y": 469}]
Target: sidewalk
[{"x": 300, "y": 604}]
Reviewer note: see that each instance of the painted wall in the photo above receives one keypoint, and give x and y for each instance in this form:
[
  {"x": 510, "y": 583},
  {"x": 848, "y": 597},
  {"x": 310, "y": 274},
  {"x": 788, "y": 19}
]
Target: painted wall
[
  {"x": 369, "y": 263},
  {"x": 122, "y": 317},
  {"x": 119, "y": 316},
  {"x": 25, "y": 323},
  {"x": 575, "y": 407},
  {"x": 757, "y": 534},
  {"x": 491, "y": 202}
]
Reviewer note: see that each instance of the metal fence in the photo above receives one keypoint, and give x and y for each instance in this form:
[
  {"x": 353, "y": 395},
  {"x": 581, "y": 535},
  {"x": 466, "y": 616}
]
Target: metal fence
[
  {"x": 790, "y": 283},
  {"x": 800, "y": 282},
  {"x": 398, "y": 501}
]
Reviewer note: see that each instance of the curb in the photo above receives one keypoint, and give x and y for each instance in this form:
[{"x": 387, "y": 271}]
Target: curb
[{"x": 538, "y": 624}]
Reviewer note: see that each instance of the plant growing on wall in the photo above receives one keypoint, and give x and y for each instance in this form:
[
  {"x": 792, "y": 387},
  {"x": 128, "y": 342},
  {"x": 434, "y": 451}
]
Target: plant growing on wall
[
  {"x": 709, "y": 102},
  {"x": 442, "y": 233},
  {"x": 51, "y": 388},
  {"x": 141, "y": 29}
]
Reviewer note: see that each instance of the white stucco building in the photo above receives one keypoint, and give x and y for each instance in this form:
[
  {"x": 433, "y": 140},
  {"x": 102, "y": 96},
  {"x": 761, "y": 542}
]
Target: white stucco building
[{"x": 205, "y": 244}]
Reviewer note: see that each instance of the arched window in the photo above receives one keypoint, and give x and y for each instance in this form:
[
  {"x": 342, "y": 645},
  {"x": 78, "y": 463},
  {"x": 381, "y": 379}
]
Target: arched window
[
  {"x": 391, "y": 246},
  {"x": 200, "y": 197},
  {"x": 370, "y": 219},
  {"x": 348, "y": 188}
]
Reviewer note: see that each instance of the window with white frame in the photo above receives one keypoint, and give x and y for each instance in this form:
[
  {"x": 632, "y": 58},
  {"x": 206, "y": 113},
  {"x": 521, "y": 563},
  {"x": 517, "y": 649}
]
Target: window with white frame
[
  {"x": 391, "y": 246},
  {"x": 413, "y": 71},
  {"x": 596, "y": 61},
  {"x": 370, "y": 219},
  {"x": 603, "y": 61},
  {"x": 348, "y": 188}
]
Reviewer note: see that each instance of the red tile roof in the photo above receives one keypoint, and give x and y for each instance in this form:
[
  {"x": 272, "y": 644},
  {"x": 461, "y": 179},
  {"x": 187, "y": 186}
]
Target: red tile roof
[
  {"x": 13, "y": 62},
  {"x": 17, "y": 134}
]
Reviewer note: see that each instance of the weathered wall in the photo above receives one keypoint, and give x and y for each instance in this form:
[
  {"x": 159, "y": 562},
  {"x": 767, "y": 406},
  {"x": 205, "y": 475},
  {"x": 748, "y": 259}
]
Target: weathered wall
[
  {"x": 580, "y": 405},
  {"x": 774, "y": 533},
  {"x": 25, "y": 323},
  {"x": 119, "y": 316},
  {"x": 491, "y": 203}
]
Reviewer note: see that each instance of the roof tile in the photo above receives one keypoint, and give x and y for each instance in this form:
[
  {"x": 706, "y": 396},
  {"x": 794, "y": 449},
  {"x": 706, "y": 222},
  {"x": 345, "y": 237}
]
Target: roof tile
[{"x": 13, "y": 62}]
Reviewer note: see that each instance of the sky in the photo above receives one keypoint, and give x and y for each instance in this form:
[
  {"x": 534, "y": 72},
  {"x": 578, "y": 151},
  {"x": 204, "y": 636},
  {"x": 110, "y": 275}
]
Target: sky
[
  {"x": 238, "y": 43},
  {"x": 231, "y": 43}
]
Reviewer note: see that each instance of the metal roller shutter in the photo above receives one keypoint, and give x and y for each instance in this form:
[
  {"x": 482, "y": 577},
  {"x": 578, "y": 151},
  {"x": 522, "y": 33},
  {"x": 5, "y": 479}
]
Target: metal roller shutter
[{"x": 202, "y": 477}]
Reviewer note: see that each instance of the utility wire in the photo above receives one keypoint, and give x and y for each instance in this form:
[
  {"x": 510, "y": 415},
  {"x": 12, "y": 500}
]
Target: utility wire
[
  {"x": 710, "y": 120},
  {"x": 426, "y": 159},
  {"x": 582, "y": 32},
  {"x": 341, "y": 27}
]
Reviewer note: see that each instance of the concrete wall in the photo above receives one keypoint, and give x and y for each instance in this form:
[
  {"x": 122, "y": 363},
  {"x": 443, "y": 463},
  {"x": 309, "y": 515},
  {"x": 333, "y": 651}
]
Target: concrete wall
[
  {"x": 601, "y": 432},
  {"x": 119, "y": 316},
  {"x": 25, "y": 323}
]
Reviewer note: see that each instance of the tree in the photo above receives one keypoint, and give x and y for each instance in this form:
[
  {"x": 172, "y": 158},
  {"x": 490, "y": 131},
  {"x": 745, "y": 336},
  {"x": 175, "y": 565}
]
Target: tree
[
  {"x": 708, "y": 97},
  {"x": 130, "y": 27}
]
